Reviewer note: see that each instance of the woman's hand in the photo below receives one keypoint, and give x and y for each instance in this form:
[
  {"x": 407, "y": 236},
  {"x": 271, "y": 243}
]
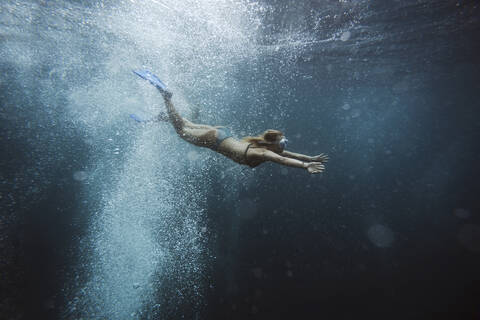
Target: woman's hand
[
  {"x": 315, "y": 167},
  {"x": 322, "y": 157}
]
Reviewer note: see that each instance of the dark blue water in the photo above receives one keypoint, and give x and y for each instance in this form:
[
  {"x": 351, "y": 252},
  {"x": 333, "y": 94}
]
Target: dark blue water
[{"x": 102, "y": 218}]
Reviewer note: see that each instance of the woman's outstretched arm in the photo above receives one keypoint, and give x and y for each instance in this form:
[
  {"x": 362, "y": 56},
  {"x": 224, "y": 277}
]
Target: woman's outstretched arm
[
  {"x": 297, "y": 156},
  {"x": 312, "y": 167},
  {"x": 320, "y": 158}
]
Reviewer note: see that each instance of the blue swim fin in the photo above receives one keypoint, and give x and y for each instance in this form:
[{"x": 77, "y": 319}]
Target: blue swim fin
[
  {"x": 153, "y": 79},
  {"x": 137, "y": 118}
]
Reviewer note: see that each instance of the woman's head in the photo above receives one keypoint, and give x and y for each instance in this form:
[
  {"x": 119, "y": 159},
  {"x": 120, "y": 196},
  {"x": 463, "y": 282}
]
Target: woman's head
[
  {"x": 272, "y": 136},
  {"x": 271, "y": 139}
]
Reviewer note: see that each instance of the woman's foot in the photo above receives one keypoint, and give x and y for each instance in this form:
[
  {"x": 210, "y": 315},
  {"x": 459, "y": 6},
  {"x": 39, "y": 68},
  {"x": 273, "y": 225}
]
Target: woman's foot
[{"x": 165, "y": 93}]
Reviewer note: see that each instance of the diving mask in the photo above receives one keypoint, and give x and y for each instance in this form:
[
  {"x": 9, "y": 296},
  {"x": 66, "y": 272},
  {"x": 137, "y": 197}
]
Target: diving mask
[{"x": 283, "y": 143}]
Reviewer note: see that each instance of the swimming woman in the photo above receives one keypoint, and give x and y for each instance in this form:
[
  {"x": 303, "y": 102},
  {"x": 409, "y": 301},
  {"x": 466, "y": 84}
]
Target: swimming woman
[{"x": 251, "y": 151}]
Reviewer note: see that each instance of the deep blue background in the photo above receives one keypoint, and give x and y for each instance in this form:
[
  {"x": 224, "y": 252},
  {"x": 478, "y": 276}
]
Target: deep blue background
[{"x": 306, "y": 254}]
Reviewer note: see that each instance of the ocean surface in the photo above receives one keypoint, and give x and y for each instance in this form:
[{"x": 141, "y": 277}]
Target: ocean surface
[{"x": 105, "y": 218}]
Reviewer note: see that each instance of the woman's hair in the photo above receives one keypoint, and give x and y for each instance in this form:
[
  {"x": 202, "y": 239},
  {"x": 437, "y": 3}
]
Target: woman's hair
[{"x": 269, "y": 137}]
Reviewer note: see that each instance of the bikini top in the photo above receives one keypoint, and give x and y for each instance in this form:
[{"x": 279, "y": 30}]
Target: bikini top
[{"x": 251, "y": 163}]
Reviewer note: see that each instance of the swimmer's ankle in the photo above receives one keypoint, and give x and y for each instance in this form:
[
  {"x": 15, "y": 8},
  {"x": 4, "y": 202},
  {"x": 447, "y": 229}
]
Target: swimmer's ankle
[{"x": 166, "y": 94}]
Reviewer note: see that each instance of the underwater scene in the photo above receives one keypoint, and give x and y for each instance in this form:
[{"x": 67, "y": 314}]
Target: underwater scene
[{"x": 239, "y": 159}]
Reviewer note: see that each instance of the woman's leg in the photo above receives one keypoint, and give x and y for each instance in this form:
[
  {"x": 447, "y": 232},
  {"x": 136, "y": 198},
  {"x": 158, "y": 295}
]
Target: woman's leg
[
  {"x": 198, "y": 134},
  {"x": 177, "y": 121}
]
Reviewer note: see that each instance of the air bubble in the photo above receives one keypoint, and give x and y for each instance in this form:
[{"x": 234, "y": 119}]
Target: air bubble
[
  {"x": 356, "y": 113},
  {"x": 380, "y": 235},
  {"x": 345, "y": 36}
]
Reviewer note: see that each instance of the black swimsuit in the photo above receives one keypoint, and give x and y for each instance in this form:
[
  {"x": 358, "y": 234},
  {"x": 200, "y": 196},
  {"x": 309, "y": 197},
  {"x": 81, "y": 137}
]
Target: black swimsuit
[
  {"x": 222, "y": 134},
  {"x": 254, "y": 163}
]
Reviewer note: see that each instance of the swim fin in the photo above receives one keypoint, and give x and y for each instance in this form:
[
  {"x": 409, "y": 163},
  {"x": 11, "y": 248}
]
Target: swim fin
[
  {"x": 153, "y": 79},
  {"x": 137, "y": 118}
]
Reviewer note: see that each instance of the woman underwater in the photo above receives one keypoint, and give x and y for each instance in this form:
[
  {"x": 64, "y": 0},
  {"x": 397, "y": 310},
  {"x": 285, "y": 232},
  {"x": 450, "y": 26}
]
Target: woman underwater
[{"x": 251, "y": 151}]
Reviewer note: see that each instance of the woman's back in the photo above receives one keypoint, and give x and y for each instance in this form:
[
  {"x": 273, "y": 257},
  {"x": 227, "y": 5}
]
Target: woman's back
[{"x": 235, "y": 150}]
